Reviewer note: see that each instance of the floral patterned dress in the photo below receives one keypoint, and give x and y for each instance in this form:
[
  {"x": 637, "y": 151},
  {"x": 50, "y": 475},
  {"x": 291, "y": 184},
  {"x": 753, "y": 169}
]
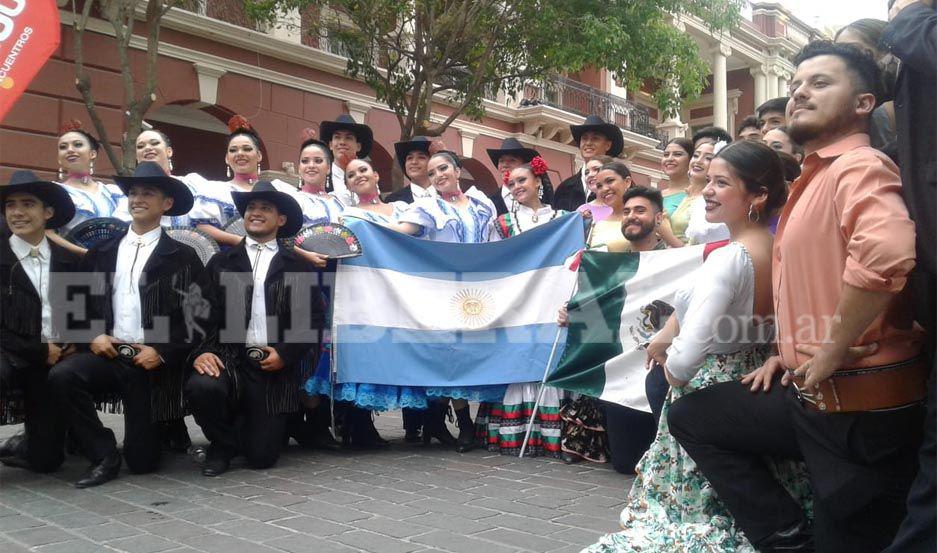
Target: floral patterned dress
[{"x": 671, "y": 506}]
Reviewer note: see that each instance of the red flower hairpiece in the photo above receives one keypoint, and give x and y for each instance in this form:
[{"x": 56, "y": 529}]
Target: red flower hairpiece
[
  {"x": 71, "y": 125},
  {"x": 239, "y": 123},
  {"x": 538, "y": 166},
  {"x": 507, "y": 177}
]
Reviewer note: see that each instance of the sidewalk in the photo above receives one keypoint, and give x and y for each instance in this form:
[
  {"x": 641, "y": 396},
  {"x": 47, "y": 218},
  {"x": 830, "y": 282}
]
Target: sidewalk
[{"x": 399, "y": 500}]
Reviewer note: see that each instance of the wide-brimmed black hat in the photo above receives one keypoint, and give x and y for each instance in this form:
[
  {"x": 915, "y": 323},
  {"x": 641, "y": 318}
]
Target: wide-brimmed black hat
[
  {"x": 149, "y": 173},
  {"x": 513, "y": 147},
  {"x": 420, "y": 143},
  {"x": 597, "y": 124},
  {"x": 286, "y": 205},
  {"x": 50, "y": 193},
  {"x": 347, "y": 123}
]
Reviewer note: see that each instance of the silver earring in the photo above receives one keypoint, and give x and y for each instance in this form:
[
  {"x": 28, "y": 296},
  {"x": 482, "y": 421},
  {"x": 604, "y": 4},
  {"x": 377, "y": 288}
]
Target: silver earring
[
  {"x": 753, "y": 215},
  {"x": 170, "y": 165},
  {"x": 228, "y": 170},
  {"x": 91, "y": 168},
  {"x": 540, "y": 192},
  {"x": 61, "y": 175}
]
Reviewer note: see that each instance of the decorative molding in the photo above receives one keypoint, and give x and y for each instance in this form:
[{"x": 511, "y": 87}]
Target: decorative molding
[
  {"x": 208, "y": 76},
  {"x": 468, "y": 142}
]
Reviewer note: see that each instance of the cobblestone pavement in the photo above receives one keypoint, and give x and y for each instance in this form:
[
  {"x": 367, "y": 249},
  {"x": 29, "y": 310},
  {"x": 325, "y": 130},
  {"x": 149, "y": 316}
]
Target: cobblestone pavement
[{"x": 402, "y": 499}]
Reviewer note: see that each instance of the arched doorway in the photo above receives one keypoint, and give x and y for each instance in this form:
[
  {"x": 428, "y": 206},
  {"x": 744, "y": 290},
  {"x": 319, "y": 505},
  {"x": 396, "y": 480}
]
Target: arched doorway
[
  {"x": 474, "y": 173},
  {"x": 383, "y": 163}
]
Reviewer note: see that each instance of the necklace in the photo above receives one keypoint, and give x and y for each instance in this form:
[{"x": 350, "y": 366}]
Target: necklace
[{"x": 533, "y": 219}]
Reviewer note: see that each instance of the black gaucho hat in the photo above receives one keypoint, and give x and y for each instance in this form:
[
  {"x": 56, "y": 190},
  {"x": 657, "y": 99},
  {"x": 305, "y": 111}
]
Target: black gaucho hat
[
  {"x": 149, "y": 173},
  {"x": 513, "y": 147},
  {"x": 597, "y": 124},
  {"x": 50, "y": 193},
  {"x": 420, "y": 143},
  {"x": 347, "y": 123},
  {"x": 286, "y": 205}
]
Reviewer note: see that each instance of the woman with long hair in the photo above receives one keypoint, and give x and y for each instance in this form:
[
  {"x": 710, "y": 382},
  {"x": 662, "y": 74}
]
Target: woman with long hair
[
  {"x": 454, "y": 216},
  {"x": 214, "y": 207},
  {"x": 500, "y": 426},
  {"x": 721, "y": 330}
]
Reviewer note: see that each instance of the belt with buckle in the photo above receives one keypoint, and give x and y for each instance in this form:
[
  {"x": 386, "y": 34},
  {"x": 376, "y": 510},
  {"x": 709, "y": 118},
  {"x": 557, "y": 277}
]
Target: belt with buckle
[
  {"x": 126, "y": 351},
  {"x": 868, "y": 388},
  {"x": 255, "y": 353}
]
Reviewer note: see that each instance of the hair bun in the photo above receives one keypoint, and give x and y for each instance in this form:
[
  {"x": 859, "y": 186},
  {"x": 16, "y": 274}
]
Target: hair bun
[
  {"x": 71, "y": 125},
  {"x": 309, "y": 133},
  {"x": 239, "y": 123}
]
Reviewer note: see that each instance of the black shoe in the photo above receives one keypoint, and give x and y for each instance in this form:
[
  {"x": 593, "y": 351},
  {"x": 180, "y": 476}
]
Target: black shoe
[
  {"x": 217, "y": 462},
  {"x": 326, "y": 442},
  {"x": 466, "y": 441},
  {"x": 104, "y": 471},
  {"x": 434, "y": 425},
  {"x": 796, "y": 539},
  {"x": 412, "y": 436}
]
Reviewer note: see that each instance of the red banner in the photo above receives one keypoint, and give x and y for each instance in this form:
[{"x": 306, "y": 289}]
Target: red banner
[{"x": 29, "y": 33}]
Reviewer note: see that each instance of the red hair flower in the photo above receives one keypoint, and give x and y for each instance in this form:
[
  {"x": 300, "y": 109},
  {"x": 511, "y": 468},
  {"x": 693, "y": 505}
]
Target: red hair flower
[
  {"x": 239, "y": 123},
  {"x": 507, "y": 177},
  {"x": 538, "y": 166},
  {"x": 71, "y": 125}
]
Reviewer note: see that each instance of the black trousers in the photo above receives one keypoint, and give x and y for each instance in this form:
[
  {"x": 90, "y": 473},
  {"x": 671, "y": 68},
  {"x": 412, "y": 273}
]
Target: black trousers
[
  {"x": 237, "y": 421},
  {"x": 630, "y": 433},
  {"x": 45, "y": 429},
  {"x": 77, "y": 381},
  {"x": 860, "y": 464}
]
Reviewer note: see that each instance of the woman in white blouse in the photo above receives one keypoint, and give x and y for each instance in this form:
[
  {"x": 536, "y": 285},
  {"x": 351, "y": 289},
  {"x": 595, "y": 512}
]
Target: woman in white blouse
[{"x": 721, "y": 330}]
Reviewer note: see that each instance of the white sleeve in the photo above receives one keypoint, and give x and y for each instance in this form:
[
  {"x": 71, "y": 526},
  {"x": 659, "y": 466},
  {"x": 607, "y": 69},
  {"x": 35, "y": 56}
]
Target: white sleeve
[
  {"x": 207, "y": 207},
  {"x": 422, "y": 213},
  {"x": 701, "y": 231},
  {"x": 713, "y": 292}
]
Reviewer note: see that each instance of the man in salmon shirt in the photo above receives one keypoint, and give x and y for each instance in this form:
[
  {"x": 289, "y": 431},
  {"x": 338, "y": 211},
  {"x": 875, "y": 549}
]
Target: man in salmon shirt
[{"x": 845, "y": 392}]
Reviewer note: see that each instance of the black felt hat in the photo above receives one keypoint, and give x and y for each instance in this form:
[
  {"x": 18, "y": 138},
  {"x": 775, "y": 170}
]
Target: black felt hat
[
  {"x": 286, "y": 205},
  {"x": 50, "y": 193},
  {"x": 345, "y": 122},
  {"x": 149, "y": 173},
  {"x": 513, "y": 147},
  {"x": 597, "y": 124},
  {"x": 420, "y": 143}
]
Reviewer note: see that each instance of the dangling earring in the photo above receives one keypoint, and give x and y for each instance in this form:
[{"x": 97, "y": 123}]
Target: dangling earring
[
  {"x": 61, "y": 175},
  {"x": 228, "y": 170},
  {"x": 540, "y": 192},
  {"x": 91, "y": 168},
  {"x": 753, "y": 215},
  {"x": 170, "y": 165}
]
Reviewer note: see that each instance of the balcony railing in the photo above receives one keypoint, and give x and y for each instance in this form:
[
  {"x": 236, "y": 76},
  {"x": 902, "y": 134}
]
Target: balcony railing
[{"x": 573, "y": 96}]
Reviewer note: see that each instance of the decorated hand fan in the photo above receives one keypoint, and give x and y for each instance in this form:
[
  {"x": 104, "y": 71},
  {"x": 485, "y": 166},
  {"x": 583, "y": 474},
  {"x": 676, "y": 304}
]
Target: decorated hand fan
[
  {"x": 90, "y": 232},
  {"x": 329, "y": 239},
  {"x": 235, "y": 226},
  {"x": 599, "y": 212},
  {"x": 203, "y": 244}
]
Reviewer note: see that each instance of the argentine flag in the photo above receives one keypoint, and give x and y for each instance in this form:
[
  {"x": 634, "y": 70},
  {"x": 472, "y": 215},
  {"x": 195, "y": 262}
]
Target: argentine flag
[{"x": 421, "y": 313}]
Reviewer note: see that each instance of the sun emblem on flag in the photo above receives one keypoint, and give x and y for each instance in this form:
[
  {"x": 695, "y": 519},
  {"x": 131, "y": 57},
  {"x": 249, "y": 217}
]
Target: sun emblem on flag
[{"x": 472, "y": 306}]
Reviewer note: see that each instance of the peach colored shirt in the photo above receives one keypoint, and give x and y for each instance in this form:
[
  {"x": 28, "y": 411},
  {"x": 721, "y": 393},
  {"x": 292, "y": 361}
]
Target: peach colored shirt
[{"x": 844, "y": 223}]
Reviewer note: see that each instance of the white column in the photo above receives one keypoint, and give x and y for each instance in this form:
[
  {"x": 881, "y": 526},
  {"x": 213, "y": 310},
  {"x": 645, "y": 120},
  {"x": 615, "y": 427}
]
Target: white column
[
  {"x": 761, "y": 85},
  {"x": 782, "y": 84},
  {"x": 772, "y": 82},
  {"x": 720, "y": 89}
]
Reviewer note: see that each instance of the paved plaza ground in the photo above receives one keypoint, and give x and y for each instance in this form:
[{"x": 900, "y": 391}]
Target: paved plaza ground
[{"x": 402, "y": 499}]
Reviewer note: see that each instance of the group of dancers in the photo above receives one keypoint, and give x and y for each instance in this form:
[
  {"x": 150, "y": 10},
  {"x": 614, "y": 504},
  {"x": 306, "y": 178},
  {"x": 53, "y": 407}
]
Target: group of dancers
[{"x": 815, "y": 449}]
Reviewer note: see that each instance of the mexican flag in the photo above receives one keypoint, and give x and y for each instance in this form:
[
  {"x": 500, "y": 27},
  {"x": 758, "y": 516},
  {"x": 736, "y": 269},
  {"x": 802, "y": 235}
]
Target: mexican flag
[{"x": 623, "y": 299}]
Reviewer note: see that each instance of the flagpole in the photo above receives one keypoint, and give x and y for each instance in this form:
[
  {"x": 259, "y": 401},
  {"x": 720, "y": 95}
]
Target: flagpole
[{"x": 546, "y": 370}]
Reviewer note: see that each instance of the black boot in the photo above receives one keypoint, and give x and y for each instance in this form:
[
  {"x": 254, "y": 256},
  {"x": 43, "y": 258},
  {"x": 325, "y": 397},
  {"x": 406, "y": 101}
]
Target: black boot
[
  {"x": 412, "y": 423},
  {"x": 434, "y": 425},
  {"x": 466, "y": 430},
  {"x": 797, "y": 538}
]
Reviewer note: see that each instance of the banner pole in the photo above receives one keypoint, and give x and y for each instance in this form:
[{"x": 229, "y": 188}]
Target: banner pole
[{"x": 546, "y": 370}]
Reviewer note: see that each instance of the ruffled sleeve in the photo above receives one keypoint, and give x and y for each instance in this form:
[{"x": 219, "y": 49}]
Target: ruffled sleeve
[
  {"x": 724, "y": 275},
  {"x": 213, "y": 204},
  {"x": 701, "y": 231},
  {"x": 428, "y": 214}
]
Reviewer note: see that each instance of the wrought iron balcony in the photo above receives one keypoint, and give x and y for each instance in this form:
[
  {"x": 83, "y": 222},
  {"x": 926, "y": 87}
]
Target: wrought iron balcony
[{"x": 573, "y": 96}]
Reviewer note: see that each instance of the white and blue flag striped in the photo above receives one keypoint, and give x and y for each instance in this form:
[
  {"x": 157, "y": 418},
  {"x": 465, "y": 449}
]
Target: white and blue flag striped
[{"x": 421, "y": 313}]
